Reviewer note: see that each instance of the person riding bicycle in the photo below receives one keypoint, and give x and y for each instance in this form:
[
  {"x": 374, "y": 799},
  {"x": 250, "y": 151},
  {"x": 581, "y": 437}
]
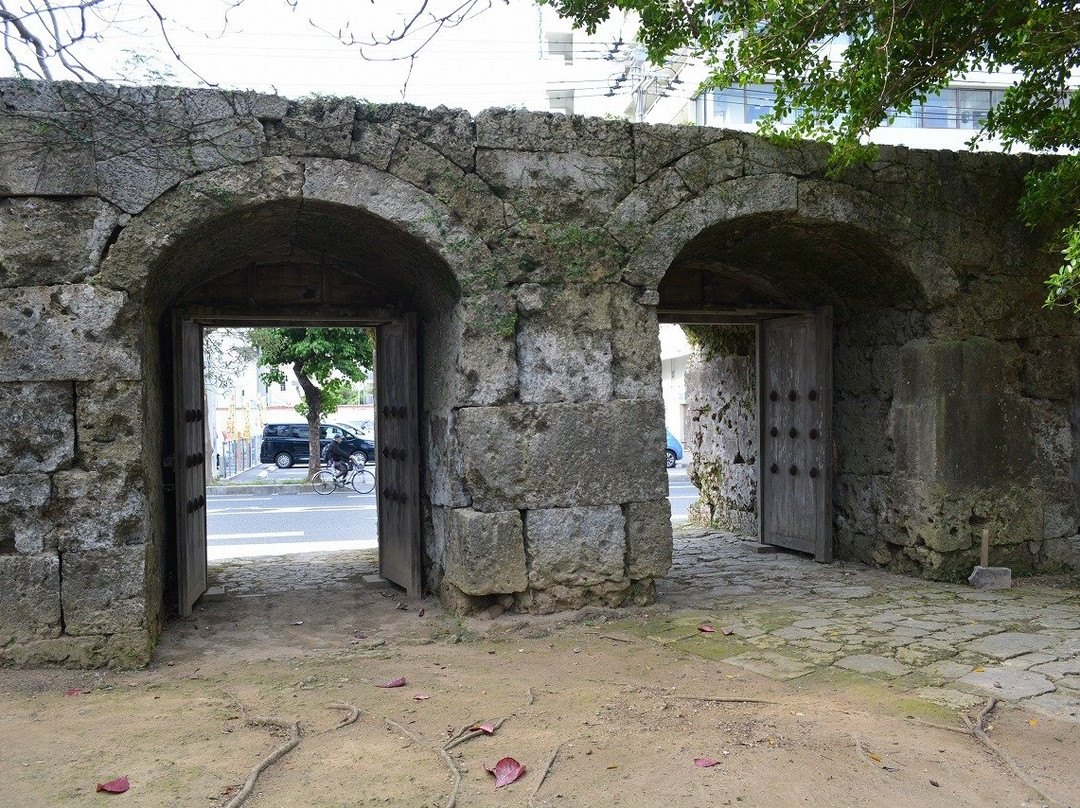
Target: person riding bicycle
[{"x": 338, "y": 457}]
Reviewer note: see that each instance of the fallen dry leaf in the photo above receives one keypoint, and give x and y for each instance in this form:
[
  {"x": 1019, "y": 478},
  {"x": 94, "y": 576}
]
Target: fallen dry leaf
[
  {"x": 506, "y": 771},
  {"x": 421, "y": 697},
  {"x": 488, "y": 729},
  {"x": 399, "y": 682},
  {"x": 704, "y": 763},
  {"x": 707, "y": 629},
  {"x": 117, "y": 786}
]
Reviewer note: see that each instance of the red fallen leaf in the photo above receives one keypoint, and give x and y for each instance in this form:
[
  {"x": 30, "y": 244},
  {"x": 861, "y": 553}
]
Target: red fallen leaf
[
  {"x": 76, "y": 691},
  {"x": 421, "y": 697},
  {"x": 399, "y": 682},
  {"x": 706, "y": 628},
  {"x": 728, "y": 631},
  {"x": 488, "y": 729},
  {"x": 506, "y": 771},
  {"x": 117, "y": 786},
  {"x": 704, "y": 763},
  {"x": 421, "y": 613}
]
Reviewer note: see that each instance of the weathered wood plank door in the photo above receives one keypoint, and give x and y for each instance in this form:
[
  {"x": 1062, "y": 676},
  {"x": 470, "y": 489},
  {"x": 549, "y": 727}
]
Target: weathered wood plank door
[
  {"x": 795, "y": 461},
  {"x": 189, "y": 462},
  {"x": 397, "y": 429}
]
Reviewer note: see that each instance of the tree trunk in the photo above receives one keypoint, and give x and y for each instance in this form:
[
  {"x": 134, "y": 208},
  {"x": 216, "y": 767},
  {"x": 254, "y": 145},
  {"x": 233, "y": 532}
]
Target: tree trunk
[{"x": 313, "y": 397}]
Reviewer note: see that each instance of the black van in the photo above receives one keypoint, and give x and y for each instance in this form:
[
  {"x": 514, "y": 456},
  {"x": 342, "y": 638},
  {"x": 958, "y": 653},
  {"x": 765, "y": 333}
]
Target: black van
[{"x": 286, "y": 444}]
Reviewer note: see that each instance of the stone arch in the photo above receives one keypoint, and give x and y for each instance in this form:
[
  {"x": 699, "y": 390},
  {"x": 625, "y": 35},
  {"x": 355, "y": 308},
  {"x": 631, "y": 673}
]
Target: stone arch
[
  {"x": 372, "y": 242},
  {"x": 755, "y": 247}
]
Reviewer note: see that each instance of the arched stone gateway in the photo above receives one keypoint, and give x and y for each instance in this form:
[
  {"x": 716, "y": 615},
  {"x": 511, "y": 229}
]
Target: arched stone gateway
[{"x": 535, "y": 255}]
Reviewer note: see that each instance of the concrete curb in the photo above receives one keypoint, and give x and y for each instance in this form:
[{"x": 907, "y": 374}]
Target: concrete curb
[{"x": 272, "y": 488}]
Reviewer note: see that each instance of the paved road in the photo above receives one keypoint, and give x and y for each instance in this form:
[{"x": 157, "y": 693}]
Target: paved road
[
  {"x": 247, "y": 525},
  {"x": 276, "y": 524}
]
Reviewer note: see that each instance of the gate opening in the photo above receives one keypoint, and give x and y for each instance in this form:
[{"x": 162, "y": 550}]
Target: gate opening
[
  {"x": 768, "y": 301},
  {"x": 311, "y": 265}
]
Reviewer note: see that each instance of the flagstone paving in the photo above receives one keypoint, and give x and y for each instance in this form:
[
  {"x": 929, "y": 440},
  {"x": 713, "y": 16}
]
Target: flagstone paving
[{"x": 784, "y": 616}]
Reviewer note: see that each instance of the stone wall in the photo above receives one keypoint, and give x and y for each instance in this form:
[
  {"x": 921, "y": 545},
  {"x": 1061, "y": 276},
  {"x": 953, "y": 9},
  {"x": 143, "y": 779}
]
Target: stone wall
[
  {"x": 534, "y": 249},
  {"x": 721, "y": 402}
]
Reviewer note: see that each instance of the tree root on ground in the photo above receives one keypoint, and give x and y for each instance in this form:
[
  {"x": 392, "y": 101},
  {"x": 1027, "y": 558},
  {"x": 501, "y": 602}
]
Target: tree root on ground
[
  {"x": 977, "y": 729},
  {"x": 544, "y": 774},
  {"x": 354, "y": 713},
  {"x": 269, "y": 760},
  {"x": 467, "y": 733}
]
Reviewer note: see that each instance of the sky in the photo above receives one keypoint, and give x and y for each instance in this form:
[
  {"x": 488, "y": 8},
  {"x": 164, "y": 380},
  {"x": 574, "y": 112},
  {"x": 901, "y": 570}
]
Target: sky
[{"x": 493, "y": 59}]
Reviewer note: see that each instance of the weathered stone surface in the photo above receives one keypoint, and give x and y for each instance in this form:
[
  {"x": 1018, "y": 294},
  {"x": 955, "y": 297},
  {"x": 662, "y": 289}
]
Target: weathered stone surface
[
  {"x": 39, "y": 432},
  {"x": 487, "y": 361},
  {"x": 576, "y": 547},
  {"x": 99, "y": 511},
  {"x": 721, "y": 404},
  {"x": 29, "y": 598},
  {"x": 47, "y": 154},
  {"x": 1009, "y": 644},
  {"x": 182, "y": 234},
  {"x": 1004, "y": 683},
  {"x": 871, "y": 664},
  {"x": 117, "y": 651},
  {"x": 104, "y": 590},
  {"x": 109, "y": 416},
  {"x": 703, "y": 158},
  {"x": 648, "y": 539},
  {"x": 991, "y": 578},
  {"x": 23, "y": 498},
  {"x": 50, "y": 241},
  {"x": 559, "y": 134},
  {"x": 320, "y": 127},
  {"x": 564, "y": 345},
  {"x": 635, "y": 347},
  {"x": 149, "y": 139},
  {"x": 485, "y": 552},
  {"x": 533, "y": 180},
  {"x": 954, "y": 421},
  {"x": 71, "y": 332},
  {"x": 548, "y": 456}
]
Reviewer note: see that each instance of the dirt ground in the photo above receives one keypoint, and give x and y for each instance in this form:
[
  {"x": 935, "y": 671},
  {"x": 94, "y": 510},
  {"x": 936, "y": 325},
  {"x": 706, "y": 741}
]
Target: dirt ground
[{"x": 599, "y": 713}]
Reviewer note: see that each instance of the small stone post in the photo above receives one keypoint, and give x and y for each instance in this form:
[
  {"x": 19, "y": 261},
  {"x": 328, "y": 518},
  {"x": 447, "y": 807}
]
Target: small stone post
[{"x": 985, "y": 576}]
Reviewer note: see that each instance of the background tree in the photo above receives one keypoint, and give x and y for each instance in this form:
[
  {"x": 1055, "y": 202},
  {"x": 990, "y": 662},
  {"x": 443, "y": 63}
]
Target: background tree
[
  {"x": 54, "y": 39},
  {"x": 893, "y": 54},
  {"x": 327, "y": 363}
]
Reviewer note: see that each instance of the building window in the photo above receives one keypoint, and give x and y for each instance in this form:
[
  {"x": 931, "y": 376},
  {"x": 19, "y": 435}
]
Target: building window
[{"x": 960, "y": 108}]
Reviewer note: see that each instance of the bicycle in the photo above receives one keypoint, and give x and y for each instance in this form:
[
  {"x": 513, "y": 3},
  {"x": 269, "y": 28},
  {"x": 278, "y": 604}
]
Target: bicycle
[{"x": 326, "y": 482}]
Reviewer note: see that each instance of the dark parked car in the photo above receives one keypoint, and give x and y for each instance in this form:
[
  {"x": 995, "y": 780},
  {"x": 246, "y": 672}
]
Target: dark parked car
[{"x": 286, "y": 444}]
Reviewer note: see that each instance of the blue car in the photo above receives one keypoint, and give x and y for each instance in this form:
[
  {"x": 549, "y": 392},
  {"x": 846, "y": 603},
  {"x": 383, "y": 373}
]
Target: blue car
[{"x": 674, "y": 450}]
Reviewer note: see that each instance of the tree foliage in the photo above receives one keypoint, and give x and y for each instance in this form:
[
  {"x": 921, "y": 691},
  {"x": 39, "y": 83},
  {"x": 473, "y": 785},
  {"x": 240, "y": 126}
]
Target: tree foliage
[
  {"x": 327, "y": 363},
  {"x": 842, "y": 67}
]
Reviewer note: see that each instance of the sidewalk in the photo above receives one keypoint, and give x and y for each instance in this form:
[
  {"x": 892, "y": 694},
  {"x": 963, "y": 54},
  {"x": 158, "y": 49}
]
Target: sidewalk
[{"x": 265, "y": 478}]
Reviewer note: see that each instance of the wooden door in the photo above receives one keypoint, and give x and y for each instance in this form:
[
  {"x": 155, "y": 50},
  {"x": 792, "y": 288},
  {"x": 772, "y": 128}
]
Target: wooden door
[
  {"x": 397, "y": 429},
  {"x": 795, "y": 465},
  {"x": 189, "y": 462}
]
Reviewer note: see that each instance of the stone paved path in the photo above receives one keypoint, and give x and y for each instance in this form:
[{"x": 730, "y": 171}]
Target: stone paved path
[{"x": 949, "y": 644}]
